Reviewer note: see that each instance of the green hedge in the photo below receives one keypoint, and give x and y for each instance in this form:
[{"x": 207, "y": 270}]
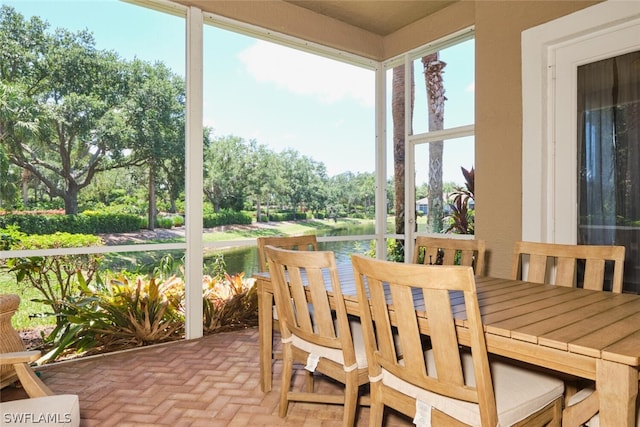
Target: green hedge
[
  {"x": 287, "y": 216},
  {"x": 22, "y": 241},
  {"x": 85, "y": 223},
  {"x": 226, "y": 218},
  {"x": 92, "y": 222}
]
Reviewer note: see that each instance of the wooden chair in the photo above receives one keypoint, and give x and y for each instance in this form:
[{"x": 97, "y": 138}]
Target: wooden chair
[
  {"x": 42, "y": 403},
  {"x": 302, "y": 243},
  {"x": 468, "y": 389},
  {"x": 556, "y": 264},
  {"x": 10, "y": 340},
  {"x": 306, "y": 242},
  {"x": 15, "y": 367},
  {"x": 448, "y": 251},
  {"x": 313, "y": 332},
  {"x": 583, "y": 409}
]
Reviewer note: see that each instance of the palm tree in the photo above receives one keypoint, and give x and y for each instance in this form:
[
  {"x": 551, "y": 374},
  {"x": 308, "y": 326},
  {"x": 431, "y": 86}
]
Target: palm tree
[
  {"x": 435, "y": 102},
  {"x": 433, "y": 69},
  {"x": 398, "y": 114}
]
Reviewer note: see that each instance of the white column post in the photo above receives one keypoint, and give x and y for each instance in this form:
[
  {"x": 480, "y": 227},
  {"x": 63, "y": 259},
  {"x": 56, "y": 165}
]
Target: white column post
[
  {"x": 194, "y": 180},
  {"x": 381, "y": 161}
]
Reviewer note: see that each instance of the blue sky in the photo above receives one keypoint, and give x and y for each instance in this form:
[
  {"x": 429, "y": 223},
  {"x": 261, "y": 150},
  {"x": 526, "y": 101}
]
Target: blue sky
[{"x": 278, "y": 96}]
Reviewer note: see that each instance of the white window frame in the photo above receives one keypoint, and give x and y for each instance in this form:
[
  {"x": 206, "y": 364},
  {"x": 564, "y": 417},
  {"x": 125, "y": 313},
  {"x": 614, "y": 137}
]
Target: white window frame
[
  {"x": 549, "y": 183},
  {"x": 411, "y": 140}
]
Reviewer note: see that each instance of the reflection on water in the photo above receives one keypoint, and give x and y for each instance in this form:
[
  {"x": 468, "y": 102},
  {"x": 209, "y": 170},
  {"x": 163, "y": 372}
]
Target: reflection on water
[{"x": 246, "y": 258}]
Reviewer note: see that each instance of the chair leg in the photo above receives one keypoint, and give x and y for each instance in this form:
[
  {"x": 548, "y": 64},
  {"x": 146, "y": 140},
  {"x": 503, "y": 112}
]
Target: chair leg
[
  {"x": 275, "y": 328},
  {"x": 557, "y": 414},
  {"x": 309, "y": 381},
  {"x": 376, "y": 412},
  {"x": 350, "y": 399},
  {"x": 287, "y": 373}
]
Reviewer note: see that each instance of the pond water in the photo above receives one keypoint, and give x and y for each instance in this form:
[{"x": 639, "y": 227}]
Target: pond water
[{"x": 246, "y": 258}]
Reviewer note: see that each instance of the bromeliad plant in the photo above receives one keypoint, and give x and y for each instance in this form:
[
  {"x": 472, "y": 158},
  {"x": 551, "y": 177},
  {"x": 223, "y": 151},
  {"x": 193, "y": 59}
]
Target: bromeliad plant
[
  {"x": 123, "y": 310},
  {"x": 228, "y": 304},
  {"x": 120, "y": 312},
  {"x": 462, "y": 216},
  {"x": 142, "y": 311},
  {"x": 228, "y": 301},
  {"x": 56, "y": 277}
]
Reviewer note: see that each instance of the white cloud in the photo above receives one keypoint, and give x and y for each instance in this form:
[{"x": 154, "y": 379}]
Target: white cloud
[
  {"x": 209, "y": 122},
  {"x": 303, "y": 73}
]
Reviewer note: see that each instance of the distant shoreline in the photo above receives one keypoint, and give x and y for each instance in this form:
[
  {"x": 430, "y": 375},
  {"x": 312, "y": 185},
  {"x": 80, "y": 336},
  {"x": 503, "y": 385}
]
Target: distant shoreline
[{"x": 280, "y": 227}]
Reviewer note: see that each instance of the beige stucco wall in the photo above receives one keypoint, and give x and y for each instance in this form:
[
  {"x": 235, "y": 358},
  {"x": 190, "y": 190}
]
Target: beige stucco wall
[
  {"x": 499, "y": 119},
  {"x": 498, "y": 107}
]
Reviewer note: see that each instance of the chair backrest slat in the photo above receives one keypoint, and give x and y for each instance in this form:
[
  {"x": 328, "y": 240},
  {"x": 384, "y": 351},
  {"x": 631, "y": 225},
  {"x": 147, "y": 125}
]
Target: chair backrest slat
[
  {"x": 566, "y": 270},
  {"x": 594, "y": 274},
  {"x": 554, "y": 263},
  {"x": 387, "y": 293},
  {"x": 450, "y": 251}
]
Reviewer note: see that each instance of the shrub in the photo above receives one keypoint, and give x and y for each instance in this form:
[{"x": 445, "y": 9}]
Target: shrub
[
  {"x": 164, "y": 222},
  {"x": 178, "y": 220},
  {"x": 461, "y": 219},
  {"x": 56, "y": 277},
  {"x": 122, "y": 312},
  {"x": 228, "y": 303},
  {"x": 110, "y": 223},
  {"x": 226, "y": 217},
  {"x": 169, "y": 221},
  {"x": 88, "y": 222},
  {"x": 287, "y": 216}
]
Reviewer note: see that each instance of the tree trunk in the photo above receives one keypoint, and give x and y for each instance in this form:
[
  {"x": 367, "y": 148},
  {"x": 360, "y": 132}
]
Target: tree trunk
[
  {"x": 398, "y": 114},
  {"x": 152, "y": 196},
  {"x": 70, "y": 198},
  {"x": 435, "y": 103},
  {"x": 397, "y": 108},
  {"x": 25, "y": 187},
  {"x": 258, "y": 209}
]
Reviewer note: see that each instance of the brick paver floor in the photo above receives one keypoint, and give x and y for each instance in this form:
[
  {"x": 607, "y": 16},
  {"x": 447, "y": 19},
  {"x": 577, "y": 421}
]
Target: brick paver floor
[{"x": 211, "y": 381}]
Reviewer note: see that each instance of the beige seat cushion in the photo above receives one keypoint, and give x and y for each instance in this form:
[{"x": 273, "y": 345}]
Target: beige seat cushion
[
  {"x": 519, "y": 392},
  {"x": 58, "y": 410},
  {"x": 335, "y": 354}
]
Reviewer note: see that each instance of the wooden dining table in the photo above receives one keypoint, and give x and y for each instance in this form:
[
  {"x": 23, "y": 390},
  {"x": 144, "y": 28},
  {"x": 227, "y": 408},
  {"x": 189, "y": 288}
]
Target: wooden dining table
[{"x": 589, "y": 334}]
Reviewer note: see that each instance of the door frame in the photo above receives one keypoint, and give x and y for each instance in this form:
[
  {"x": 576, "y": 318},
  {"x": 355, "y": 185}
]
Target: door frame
[{"x": 549, "y": 186}]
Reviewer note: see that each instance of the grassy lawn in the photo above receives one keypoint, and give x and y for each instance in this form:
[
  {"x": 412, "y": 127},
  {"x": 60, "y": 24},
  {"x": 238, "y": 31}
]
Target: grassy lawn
[
  {"x": 287, "y": 228},
  {"x": 21, "y": 319}
]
